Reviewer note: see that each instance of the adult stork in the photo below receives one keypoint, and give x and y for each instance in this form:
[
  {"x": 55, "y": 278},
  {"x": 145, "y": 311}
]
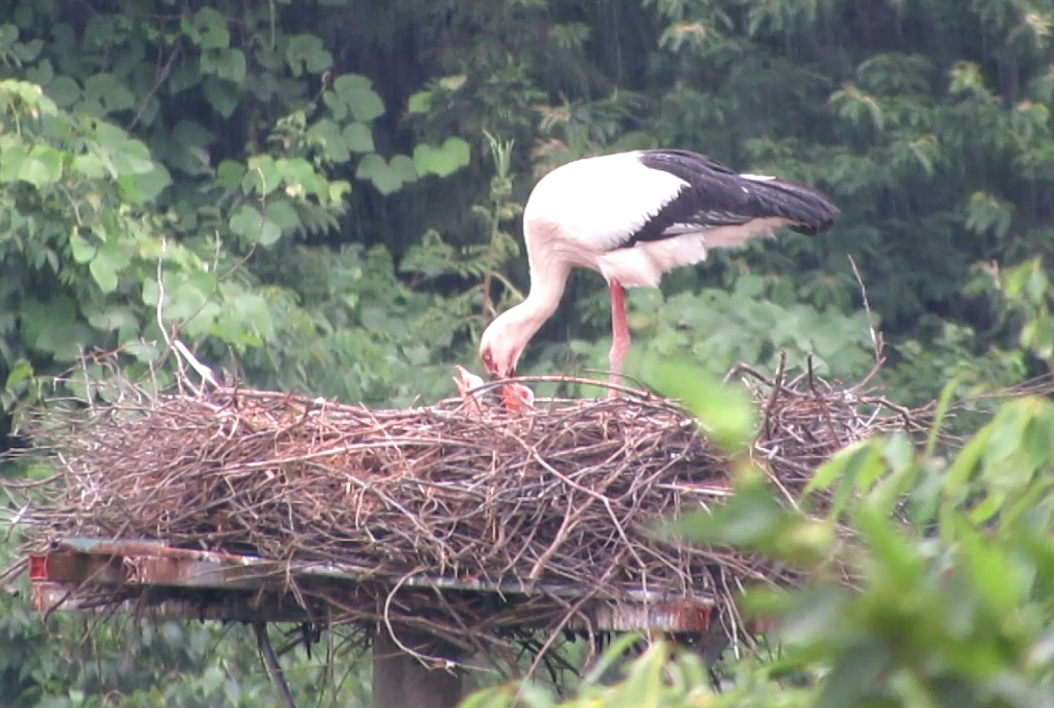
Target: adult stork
[{"x": 633, "y": 216}]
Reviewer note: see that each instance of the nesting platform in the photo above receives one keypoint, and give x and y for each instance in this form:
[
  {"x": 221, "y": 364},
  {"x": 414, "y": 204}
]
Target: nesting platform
[
  {"x": 473, "y": 527},
  {"x": 165, "y": 581}
]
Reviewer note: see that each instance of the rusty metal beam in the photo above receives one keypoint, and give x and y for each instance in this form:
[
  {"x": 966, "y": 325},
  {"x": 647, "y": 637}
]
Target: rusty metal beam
[
  {"x": 237, "y": 607},
  {"x": 235, "y": 578},
  {"x": 166, "y": 565},
  {"x": 674, "y": 616}
]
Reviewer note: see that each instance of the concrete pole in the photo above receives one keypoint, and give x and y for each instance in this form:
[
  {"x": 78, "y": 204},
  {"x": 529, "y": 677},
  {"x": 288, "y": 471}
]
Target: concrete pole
[{"x": 401, "y": 681}]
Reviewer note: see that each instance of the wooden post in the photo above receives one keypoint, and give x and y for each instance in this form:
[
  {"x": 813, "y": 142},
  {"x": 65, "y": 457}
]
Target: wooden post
[{"x": 401, "y": 681}]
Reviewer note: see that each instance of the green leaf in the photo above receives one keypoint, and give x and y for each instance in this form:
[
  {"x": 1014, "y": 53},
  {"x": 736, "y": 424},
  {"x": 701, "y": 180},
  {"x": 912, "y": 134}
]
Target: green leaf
[
  {"x": 28, "y": 51},
  {"x": 192, "y": 134},
  {"x": 420, "y": 102},
  {"x": 895, "y": 558},
  {"x": 113, "y": 319},
  {"x": 110, "y": 92},
  {"x": 327, "y": 132},
  {"x": 230, "y": 174},
  {"x": 11, "y": 161},
  {"x": 64, "y": 91},
  {"x": 246, "y": 222},
  {"x": 993, "y": 573},
  {"x": 253, "y": 311},
  {"x": 81, "y": 249},
  {"x": 358, "y": 137},
  {"x": 305, "y": 52},
  {"x": 282, "y": 213},
  {"x": 384, "y": 178},
  {"x": 103, "y": 269},
  {"x": 404, "y": 167},
  {"x": 366, "y": 105},
  {"x": 854, "y": 675},
  {"x": 187, "y": 299},
  {"x": 186, "y": 75},
  {"x": 151, "y": 292},
  {"x": 128, "y": 156},
  {"x": 298, "y": 173},
  {"x": 250, "y": 225},
  {"x": 619, "y": 645},
  {"x": 444, "y": 160},
  {"x": 807, "y": 616},
  {"x": 642, "y": 686},
  {"x": 747, "y": 519},
  {"x": 221, "y": 95},
  {"x": 21, "y": 371},
  {"x": 43, "y": 166},
  {"x": 335, "y": 191},
  {"x": 965, "y": 464},
  {"x": 133, "y": 159},
  {"x": 89, "y": 165},
  {"x": 232, "y": 67},
  {"x": 832, "y": 469},
  {"x": 227, "y": 64},
  {"x": 41, "y": 74},
  {"x": 726, "y": 413},
  {"x": 354, "y": 93},
  {"x": 861, "y": 470},
  {"x": 212, "y": 679},
  {"x": 150, "y": 184},
  {"x": 209, "y": 29},
  {"x": 263, "y": 176},
  {"x": 349, "y": 83}
]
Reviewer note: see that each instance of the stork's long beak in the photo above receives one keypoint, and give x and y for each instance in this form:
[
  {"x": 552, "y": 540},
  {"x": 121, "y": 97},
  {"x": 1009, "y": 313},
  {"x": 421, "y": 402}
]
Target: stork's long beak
[{"x": 493, "y": 375}]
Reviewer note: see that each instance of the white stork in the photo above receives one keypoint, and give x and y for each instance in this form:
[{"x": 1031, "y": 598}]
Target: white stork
[{"x": 632, "y": 216}]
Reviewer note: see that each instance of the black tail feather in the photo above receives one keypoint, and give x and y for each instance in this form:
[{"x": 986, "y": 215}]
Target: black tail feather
[{"x": 811, "y": 210}]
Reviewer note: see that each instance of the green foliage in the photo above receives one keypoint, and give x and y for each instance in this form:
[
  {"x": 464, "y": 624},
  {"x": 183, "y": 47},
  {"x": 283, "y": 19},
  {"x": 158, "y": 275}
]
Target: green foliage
[
  {"x": 239, "y": 138},
  {"x": 167, "y": 663},
  {"x": 725, "y": 413},
  {"x": 111, "y": 237}
]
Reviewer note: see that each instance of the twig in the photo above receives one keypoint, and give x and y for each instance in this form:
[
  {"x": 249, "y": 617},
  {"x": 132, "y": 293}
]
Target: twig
[
  {"x": 273, "y": 666},
  {"x": 166, "y": 71},
  {"x": 877, "y": 343},
  {"x": 203, "y": 371},
  {"x": 777, "y": 387},
  {"x": 743, "y": 367}
]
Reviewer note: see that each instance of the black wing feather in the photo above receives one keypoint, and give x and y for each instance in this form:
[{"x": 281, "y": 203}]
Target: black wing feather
[{"x": 717, "y": 196}]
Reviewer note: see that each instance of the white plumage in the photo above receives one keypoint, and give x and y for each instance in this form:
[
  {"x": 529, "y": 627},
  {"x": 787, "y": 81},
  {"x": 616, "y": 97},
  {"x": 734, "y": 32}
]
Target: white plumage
[{"x": 633, "y": 216}]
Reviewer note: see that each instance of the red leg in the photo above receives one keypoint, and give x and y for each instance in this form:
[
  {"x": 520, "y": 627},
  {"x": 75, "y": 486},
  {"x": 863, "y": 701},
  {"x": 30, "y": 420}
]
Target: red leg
[{"x": 620, "y": 337}]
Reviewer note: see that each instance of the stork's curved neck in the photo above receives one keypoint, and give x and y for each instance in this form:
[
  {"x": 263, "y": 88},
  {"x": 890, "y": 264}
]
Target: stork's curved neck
[
  {"x": 505, "y": 338},
  {"x": 548, "y": 281}
]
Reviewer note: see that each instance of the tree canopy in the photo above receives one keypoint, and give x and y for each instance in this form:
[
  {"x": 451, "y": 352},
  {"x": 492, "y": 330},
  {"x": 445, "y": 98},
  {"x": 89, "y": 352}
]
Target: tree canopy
[{"x": 324, "y": 196}]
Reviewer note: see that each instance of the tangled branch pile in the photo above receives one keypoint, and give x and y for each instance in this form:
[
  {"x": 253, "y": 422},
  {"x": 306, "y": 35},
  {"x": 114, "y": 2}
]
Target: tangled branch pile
[{"x": 564, "y": 496}]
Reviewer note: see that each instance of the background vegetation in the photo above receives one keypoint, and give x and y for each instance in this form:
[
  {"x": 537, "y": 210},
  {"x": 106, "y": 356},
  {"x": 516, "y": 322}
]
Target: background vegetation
[{"x": 323, "y": 197}]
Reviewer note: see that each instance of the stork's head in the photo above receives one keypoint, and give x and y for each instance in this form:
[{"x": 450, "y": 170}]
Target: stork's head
[{"x": 501, "y": 345}]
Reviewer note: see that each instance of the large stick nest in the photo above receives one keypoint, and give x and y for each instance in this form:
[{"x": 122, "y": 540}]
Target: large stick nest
[{"x": 566, "y": 496}]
